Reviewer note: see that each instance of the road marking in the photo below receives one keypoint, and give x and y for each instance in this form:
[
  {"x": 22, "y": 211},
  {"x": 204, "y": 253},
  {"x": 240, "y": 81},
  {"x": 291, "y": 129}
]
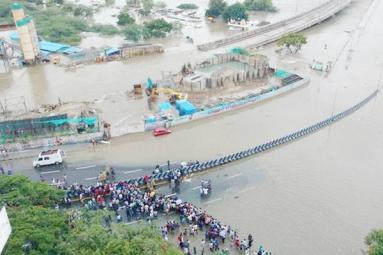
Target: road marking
[
  {"x": 170, "y": 195},
  {"x": 85, "y": 167},
  {"x": 196, "y": 187},
  {"x": 212, "y": 201},
  {"x": 233, "y": 176},
  {"x": 133, "y": 171},
  {"x": 90, "y": 178},
  {"x": 134, "y": 222},
  {"x": 49, "y": 172}
]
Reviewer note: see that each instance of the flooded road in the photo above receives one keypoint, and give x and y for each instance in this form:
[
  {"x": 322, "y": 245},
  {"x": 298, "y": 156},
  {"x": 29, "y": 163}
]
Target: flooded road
[{"x": 319, "y": 195}]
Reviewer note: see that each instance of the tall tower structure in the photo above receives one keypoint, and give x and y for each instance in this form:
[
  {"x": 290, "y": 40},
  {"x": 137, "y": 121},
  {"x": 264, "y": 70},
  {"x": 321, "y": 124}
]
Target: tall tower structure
[{"x": 29, "y": 42}]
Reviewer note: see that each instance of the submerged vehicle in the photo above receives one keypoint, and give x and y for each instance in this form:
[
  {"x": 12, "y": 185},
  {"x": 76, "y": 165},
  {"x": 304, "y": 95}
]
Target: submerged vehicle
[{"x": 161, "y": 131}]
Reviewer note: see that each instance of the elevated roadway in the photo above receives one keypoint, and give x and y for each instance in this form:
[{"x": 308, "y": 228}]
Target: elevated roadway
[{"x": 272, "y": 32}]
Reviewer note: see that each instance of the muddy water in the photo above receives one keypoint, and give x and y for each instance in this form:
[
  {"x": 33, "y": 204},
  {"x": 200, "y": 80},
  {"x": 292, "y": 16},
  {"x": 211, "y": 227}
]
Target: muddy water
[
  {"x": 44, "y": 84},
  {"x": 319, "y": 195}
]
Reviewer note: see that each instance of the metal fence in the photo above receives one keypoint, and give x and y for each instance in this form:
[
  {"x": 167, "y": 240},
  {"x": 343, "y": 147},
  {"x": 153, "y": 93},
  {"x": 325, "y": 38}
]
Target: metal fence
[{"x": 58, "y": 125}]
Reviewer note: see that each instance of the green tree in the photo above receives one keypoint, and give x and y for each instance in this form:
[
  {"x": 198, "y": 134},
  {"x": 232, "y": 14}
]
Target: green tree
[
  {"x": 104, "y": 29},
  {"x": 187, "y": 6},
  {"x": 293, "y": 42},
  {"x": 69, "y": 231},
  {"x": 37, "y": 226},
  {"x": 55, "y": 24},
  {"x": 235, "y": 11},
  {"x": 156, "y": 28},
  {"x": 78, "y": 10},
  {"x": 5, "y": 10},
  {"x": 132, "y": 32},
  {"x": 18, "y": 191},
  {"x": 216, "y": 8},
  {"x": 260, "y": 5},
  {"x": 374, "y": 242},
  {"x": 124, "y": 19},
  {"x": 33, "y": 221}
]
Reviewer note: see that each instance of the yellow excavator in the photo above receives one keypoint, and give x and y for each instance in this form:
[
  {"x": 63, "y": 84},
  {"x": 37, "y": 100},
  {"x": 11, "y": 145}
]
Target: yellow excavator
[
  {"x": 173, "y": 95},
  {"x": 152, "y": 91}
]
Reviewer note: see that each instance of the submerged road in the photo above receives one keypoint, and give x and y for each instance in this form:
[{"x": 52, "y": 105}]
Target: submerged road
[{"x": 319, "y": 195}]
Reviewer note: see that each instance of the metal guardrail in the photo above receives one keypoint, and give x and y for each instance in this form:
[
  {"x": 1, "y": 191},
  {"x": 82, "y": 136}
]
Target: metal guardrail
[
  {"x": 259, "y": 148},
  {"x": 328, "y": 8}
]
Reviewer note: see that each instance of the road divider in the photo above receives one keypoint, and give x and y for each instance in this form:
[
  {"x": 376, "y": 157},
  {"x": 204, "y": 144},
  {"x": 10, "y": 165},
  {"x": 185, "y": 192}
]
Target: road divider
[{"x": 198, "y": 167}]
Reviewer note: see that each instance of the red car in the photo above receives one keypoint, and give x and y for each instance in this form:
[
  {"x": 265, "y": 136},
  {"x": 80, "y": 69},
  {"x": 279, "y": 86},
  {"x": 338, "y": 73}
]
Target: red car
[{"x": 161, "y": 131}]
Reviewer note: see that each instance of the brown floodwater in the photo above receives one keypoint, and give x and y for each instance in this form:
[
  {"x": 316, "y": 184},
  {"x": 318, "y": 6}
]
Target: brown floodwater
[{"x": 319, "y": 195}]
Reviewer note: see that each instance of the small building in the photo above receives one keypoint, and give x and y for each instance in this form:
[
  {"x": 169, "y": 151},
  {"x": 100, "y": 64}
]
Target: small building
[{"x": 228, "y": 69}]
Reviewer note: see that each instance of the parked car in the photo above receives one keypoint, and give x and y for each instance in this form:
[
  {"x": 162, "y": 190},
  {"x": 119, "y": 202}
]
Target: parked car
[
  {"x": 50, "y": 157},
  {"x": 161, "y": 131}
]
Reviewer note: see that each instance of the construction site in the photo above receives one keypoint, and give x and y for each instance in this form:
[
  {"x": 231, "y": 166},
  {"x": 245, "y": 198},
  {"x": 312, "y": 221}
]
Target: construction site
[
  {"x": 20, "y": 45},
  {"x": 18, "y": 124},
  {"x": 219, "y": 81}
]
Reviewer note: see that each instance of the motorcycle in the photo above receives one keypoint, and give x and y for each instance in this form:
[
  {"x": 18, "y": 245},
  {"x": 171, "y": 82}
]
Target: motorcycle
[{"x": 205, "y": 188}]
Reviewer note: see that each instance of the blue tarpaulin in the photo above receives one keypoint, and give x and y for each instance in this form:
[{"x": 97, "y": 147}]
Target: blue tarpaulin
[
  {"x": 112, "y": 51},
  {"x": 279, "y": 73},
  {"x": 185, "y": 107},
  {"x": 53, "y": 47},
  {"x": 14, "y": 36},
  {"x": 165, "y": 106},
  {"x": 71, "y": 50},
  {"x": 150, "y": 119}
]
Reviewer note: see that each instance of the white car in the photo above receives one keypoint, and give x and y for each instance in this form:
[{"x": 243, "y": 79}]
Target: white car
[{"x": 49, "y": 157}]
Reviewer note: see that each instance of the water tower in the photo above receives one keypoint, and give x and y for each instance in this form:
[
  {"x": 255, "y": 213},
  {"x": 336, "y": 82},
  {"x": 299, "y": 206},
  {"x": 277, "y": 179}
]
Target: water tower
[{"x": 29, "y": 43}]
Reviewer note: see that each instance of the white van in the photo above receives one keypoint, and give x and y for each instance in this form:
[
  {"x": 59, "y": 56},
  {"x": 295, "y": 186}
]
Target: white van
[{"x": 49, "y": 157}]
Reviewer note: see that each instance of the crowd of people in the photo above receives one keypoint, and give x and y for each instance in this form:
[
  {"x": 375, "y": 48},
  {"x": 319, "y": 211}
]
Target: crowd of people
[
  {"x": 216, "y": 236},
  {"x": 145, "y": 204}
]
